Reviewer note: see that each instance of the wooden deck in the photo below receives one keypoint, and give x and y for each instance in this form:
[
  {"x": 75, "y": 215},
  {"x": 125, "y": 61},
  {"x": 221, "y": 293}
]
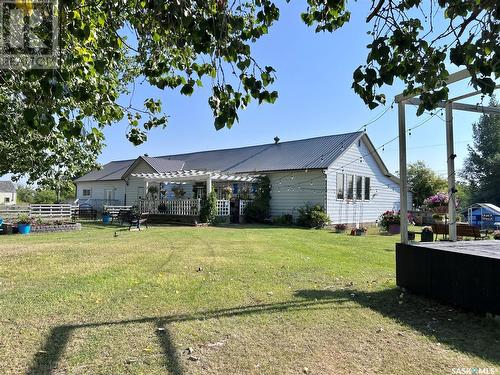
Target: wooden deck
[{"x": 464, "y": 274}]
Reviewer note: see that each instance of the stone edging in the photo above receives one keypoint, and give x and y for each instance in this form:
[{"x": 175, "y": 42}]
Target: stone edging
[{"x": 56, "y": 228}]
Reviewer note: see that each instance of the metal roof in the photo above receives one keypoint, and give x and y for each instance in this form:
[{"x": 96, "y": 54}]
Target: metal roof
[
  {"x": 312, "y": 153},
  {"x": 7, "y": 187},
  {"x": 164, "y": 165},
  {"x": 488, "y": 206}
]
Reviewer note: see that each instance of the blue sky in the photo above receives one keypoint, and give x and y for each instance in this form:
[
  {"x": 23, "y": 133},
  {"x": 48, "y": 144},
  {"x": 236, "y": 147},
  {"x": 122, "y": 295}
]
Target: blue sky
[{"x": 314, "y": 74}]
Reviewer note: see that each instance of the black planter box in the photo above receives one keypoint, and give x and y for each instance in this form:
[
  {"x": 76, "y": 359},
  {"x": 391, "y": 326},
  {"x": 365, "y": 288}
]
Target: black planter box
[{"x": 427, "y": 237}]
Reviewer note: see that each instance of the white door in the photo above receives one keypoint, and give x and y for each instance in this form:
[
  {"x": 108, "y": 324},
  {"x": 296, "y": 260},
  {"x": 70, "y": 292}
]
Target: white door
[{"x": 109, "y": 196}]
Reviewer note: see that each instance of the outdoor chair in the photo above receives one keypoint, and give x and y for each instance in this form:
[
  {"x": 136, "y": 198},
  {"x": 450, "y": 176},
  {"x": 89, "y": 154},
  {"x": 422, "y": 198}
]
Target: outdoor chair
[
  {"x": 123, "y": 216},
  {"x": 137, "y": 221}
]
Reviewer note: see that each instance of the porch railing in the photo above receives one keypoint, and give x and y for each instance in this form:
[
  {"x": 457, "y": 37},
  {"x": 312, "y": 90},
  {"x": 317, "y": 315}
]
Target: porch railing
[{"x": 182, "y": 207}]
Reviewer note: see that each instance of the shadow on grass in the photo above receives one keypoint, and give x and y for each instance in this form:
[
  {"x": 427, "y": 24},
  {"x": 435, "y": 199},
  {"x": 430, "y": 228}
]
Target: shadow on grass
[
  {"x": 465, "y": 332},
  {"x": 46, "y": 360}
]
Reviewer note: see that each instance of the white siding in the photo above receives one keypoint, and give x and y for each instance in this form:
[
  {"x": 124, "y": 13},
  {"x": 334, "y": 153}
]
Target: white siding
[
  {"x": 134, "y": 183},
  {"x": 292, "y": 190},
  {"x": 384, "y": 193},
  {"x": 98, "y": 189},
  {"x": 11, "y": 197}
]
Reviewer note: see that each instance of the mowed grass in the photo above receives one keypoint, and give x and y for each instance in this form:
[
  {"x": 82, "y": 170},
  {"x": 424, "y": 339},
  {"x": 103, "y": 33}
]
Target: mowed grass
[{"x": 233, "y": 300}]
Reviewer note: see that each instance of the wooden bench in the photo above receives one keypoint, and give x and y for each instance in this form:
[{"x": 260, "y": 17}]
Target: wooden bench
[
  {"x": 463, "y": 230},
  {"x": 123, "y": 216},
  {"x": 137, "y": 221}
]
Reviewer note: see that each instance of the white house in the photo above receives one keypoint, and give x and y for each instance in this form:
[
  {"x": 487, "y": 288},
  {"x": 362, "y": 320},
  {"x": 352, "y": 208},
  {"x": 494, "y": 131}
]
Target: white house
[
  {"x": 7, "y": 193},
  {"x": 343, "y": 173}
]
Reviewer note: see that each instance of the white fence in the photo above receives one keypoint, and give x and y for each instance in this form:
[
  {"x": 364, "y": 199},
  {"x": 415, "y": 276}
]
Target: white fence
[
  {"x": 39, "y": 211},
  {"x": 182, "y": 207},
  {"x": 223, "y": 207}
]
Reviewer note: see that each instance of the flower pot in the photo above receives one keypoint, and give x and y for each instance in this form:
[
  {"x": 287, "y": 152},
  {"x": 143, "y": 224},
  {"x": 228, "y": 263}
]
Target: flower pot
[
  {"x": 106, "y": 219},
  {"x": 24, "y": 228},
  {"x": 394, "y": 229},
  {"x": 440, "y": 209},
  {"x": 427, "y": 236}
]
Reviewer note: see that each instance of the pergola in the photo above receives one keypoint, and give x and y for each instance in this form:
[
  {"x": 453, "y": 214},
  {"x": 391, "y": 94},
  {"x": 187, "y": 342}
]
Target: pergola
[
  {"x": 449, "y": 106},
  {"x": 194, "y": 176}
]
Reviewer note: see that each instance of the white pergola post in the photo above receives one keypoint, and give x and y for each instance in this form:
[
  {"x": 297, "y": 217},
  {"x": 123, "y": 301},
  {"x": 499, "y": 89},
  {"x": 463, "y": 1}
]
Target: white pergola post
[
  {"x": 452, "y": 209},
  {"x": 209, "y": 185},
  {"x": 403, "y": 175}
]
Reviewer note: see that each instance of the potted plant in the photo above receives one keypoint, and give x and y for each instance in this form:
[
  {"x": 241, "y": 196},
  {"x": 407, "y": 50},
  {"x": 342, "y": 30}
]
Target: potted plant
[
  {"x": 162, "y": 207},
  {"x": 106, "y": 217},
  {"x": 390, "y": 221},
  {"x": 153, "y": 191},
  {"x": 24, "y": 224},
  {"x": 228, "y": 192},
  {"x": 359, "y": 231},
  {"x": 340, "y": 228},
  {"x": 437, "y": 203},
  {"x": 427, "y": 234},
  {"x": 178, "y": 192}
]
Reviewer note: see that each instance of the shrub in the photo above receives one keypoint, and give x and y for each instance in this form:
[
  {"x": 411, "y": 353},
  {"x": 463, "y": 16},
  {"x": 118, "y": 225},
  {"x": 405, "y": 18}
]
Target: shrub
[
  {"x": 313, "y": 217},
  {"x": 258, "y": 210},
  {"x": 208, "y": 211},
  {"x": 341, "y": 226},
  {"x": 286, "y": 219}
]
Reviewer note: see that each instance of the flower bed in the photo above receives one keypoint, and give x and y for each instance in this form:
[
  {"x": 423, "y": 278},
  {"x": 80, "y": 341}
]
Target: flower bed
[{"x": 47, "y": 228}]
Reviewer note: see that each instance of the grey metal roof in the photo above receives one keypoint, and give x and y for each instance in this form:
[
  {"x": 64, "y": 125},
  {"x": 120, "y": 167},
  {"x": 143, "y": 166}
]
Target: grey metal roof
[
  {"x": 164, "y": 165},
  {"x": 111, "y": 171},
  {"x": 312, "y": 153},
  {"x": 7, "y": 187}
]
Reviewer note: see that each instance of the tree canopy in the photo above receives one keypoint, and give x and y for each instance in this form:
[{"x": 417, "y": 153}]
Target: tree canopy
[
  {"x": 51, "y": 121},
  {"x": 482, "y": 167},
  {"x": 424, "y": 182}
]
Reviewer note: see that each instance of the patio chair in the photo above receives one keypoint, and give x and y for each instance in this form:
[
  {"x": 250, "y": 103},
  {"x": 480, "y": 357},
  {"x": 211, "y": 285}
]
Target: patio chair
[
  {"x": 123, "y": 216},
  {"x": 137, "y": 221}
]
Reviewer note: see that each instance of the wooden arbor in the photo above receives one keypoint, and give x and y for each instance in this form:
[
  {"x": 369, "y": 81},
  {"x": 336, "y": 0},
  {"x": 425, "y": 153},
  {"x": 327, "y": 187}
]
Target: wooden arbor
[{"x": 449, "y": 106}]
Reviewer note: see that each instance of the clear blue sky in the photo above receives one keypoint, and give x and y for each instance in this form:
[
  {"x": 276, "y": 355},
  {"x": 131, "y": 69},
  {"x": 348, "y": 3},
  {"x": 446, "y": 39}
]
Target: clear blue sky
[{"x": 314, "y": 82}]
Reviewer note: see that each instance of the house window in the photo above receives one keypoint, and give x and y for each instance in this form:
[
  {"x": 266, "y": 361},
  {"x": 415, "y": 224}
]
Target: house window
[
  {"x": 359, "y": 187},
  {"x": 367, "y": 188},
  {"x": 87, "y": 192},
  {"x": 235, "y": 189},
  {"x": 7, "y": 200},
  {"x": 340, "y": 186},
  {"x": 350, "y": 186}
]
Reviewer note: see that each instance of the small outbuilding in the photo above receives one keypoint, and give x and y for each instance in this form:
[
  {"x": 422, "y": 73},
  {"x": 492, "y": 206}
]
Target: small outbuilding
[
  {"x": 7, "y": 193},
  {"x": 483, "y": 215}
]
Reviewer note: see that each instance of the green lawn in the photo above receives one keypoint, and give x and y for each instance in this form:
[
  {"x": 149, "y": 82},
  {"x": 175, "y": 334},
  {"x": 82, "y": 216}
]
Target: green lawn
[{"x": 223, "y": 301}]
